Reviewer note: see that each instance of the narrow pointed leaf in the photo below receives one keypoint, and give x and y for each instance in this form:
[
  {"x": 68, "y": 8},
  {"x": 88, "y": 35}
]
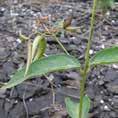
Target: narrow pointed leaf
[
  {"x": 43, "y": 66},
  {"x": 106, "y": 56},
  {"x": 73, "y": 107}
]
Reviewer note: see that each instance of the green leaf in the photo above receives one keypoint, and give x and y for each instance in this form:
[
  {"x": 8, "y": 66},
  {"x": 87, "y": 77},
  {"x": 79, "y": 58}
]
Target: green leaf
[
  {"x": 86, "y": 106},
  {"x": 106, "y": 56},
  {"x": 38, "y": 47},
  {"x": 43, "y": 66},
  {"x": 73, "y": 107}
]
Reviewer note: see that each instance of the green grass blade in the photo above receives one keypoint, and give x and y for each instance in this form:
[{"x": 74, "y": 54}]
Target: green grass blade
[{"x": 43, "y": 66}]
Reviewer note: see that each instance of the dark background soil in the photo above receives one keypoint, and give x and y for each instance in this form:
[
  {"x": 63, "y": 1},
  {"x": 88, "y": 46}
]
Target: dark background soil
[{"x": 34, "y": 98}]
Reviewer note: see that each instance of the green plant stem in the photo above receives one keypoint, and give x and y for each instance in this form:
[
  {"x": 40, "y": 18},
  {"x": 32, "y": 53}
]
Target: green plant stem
[
  {"x": 87, "y": 59},
  {"x": 82, "y": 92},
  {"x": 91, "y": 34}
]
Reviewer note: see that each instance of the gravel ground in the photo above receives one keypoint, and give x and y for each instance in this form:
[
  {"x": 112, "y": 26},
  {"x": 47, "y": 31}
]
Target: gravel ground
[{"x": 33, "y": 99}]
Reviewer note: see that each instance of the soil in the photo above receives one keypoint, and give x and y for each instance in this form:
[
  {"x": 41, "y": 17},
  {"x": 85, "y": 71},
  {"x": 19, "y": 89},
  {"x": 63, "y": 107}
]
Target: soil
[{"x": 35, "y": 98}]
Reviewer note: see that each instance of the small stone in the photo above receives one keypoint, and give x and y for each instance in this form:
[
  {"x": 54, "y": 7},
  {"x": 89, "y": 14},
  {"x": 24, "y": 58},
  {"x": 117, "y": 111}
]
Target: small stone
[
  {"x": 101, "y": 92},
  {"x": 18, "y": 40},
  {"x": 115, "y": 66},
  {"x": 112, "y": 103},
  {"x": 70, "y": 10},
  {"x": 110, "y": 100},
  {"x": 2, "y": 9},
  {"x": 16, "y": 101},
  {"x": 106, "y": 108},
  {"x": 102, "y": 46},
  {"x": 73, "y": 38},
  {"x": 108, "y": 13},
  {"x": 51, "y": 77},
  {"x": 113, "y": 21},
  {"x": 99, "y": 76},
  {"x": 31, "y": 99},
  {"x": 101, "y": 101},
  {"x": 101, "y": 82},
  {"x": 91, "y": 52}
]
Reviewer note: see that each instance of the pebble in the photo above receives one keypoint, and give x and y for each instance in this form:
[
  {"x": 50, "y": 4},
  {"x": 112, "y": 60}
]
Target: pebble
[
  {"x": 91, "y": 52},
  {"x": 18, "y": 40},
  {"x": 16, "y": 101},
  {"x": 115, "y": 66},
  {"x": 101, "y": 82},
  {"x": 31, "y": 99},
  {"x": 2, "y": 9},
  {"x": 113, "y": 21},
  {"x": 106, "y": 108},
  {"x": 108, "y": 13},
  {"x": 101, "y": 92},
  {"x": 102, "y": 46},
  {"x": 101, "y": 101}
]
